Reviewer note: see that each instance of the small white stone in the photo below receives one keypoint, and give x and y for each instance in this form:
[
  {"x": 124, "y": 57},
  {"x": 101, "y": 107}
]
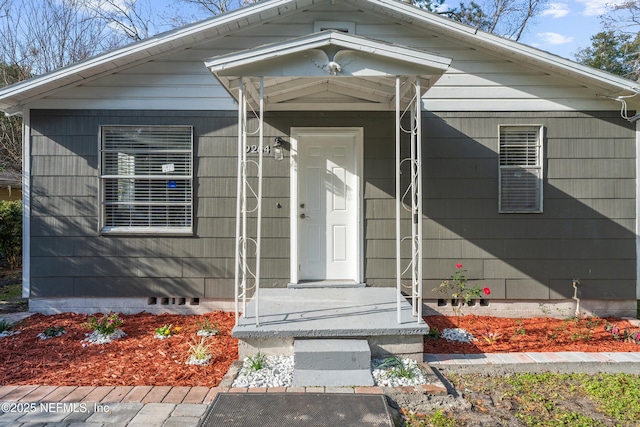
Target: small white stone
[
  {"x": 42, "y": 336},
  {"x": 457, "y": 335},
  {"x": 8, "y": 333},
  {"x": 202, "y": 333},
  {"x": 194, "y": 361},
  {"x": 161, "y": 337},
  {"x": 97, "y": 338}
]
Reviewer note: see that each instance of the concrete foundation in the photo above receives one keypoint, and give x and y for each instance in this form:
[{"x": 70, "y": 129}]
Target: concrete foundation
[
  {"x": 155, "y": 305},
  {"x": 178, "y": 305},
  {"x": 549, "y": 308}
]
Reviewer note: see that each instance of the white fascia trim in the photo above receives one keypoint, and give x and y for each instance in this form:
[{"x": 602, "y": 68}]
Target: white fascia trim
[
  {"x": 14, "y": 96},
  {"x": 26, "y": 203},
  {"x": 415, "y": 15}
]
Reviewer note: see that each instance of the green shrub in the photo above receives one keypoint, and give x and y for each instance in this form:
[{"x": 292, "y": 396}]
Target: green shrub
[
  {"x": 5, "y": 325},
  {"x": 257, "y": 361},
  {"x": 11, "y": 233}
]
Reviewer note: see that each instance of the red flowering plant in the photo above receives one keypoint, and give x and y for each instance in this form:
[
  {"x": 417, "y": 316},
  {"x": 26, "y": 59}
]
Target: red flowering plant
[
  {"x": 626, "y": 335},
  {"x": 457, "y": 288},
  {"x": 106, "y": 325}
]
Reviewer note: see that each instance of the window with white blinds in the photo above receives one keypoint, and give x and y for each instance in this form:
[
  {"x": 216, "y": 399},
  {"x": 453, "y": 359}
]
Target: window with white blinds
[
  {"x": 146, "y": 175},
  {"x": 520, "y": 169}
]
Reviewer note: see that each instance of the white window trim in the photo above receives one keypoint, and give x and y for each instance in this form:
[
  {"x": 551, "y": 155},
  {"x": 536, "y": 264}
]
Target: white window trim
[
  {"x": 159, "y": 230},
  {"x": 540, "y": 167}
]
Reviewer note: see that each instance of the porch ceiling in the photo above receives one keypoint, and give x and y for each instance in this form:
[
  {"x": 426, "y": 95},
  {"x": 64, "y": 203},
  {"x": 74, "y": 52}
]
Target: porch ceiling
[{"x": 329, "y": 70}]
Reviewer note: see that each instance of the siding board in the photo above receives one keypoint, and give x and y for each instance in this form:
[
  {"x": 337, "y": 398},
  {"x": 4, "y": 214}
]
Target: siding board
[
  {"x": 591, "y": 168},
  {"x": 572, "y": 148},
  {"x": 65, "y": 165},
  {"x": 71, "y": 146},
  {"x": 63, "y": 206},
  {"x": 590, "y": 188},
  {"x": 47, "y": 186},
  {"x": 523, "y": 289}
]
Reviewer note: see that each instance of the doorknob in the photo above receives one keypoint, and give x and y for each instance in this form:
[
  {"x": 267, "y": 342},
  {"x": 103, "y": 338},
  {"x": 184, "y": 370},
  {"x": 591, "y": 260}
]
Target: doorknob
[{"x": 303, "y": 216}]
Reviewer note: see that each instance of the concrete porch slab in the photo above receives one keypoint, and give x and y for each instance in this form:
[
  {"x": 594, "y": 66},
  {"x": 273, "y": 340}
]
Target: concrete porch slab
[
  {"x": 370, "y": 313},
  {"x": 328, "y": 312}
]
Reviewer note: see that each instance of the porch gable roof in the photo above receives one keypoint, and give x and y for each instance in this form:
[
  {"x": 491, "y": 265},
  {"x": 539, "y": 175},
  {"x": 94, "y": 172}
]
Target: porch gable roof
[{"x": 327, "y": 69}]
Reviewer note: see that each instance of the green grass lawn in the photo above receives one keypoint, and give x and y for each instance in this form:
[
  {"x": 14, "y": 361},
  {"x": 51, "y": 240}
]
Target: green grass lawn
[
  {"x": 541, "y": 400},
  {"x": 10, "y": 292}
]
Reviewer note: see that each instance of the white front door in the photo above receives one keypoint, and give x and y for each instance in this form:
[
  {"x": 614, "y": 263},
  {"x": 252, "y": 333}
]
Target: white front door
[{"x": 326, "y": 183}]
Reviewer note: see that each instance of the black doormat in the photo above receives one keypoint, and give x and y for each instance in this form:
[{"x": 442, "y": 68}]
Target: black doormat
[{"x": 297, "y": 409}]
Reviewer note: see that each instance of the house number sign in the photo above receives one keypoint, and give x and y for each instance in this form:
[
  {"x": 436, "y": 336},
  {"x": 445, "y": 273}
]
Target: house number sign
[{"x": 254, "y": 149}]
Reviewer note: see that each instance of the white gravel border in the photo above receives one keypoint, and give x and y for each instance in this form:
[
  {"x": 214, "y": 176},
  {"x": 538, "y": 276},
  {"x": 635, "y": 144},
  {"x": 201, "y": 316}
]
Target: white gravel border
[
  {"x": 42, "y": 335},
  {"x": 278, "y": 372}
]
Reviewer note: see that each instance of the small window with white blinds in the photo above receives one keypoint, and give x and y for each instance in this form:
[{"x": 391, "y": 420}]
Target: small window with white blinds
[
  {"x": 146, "y": 179},
  {"x": 520, "y": 169}
]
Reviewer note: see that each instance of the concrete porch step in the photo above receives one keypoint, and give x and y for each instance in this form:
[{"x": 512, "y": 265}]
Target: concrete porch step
[
  {"x": 331, "y": 362},
  {"x": 326, "y": 284},
  {"x": 332, "y": 378},
  {"x": 331, "y": 354}
]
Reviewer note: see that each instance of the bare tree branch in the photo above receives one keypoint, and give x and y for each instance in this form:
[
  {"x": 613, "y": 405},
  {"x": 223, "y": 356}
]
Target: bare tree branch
[
  {"x": 40, "y": 36},
  {"x": 130, "y": 17},
  {"x": 43, "y": 35},
  {"x": 11, "y": 127},
  {"x": 216, "y": 7},
  {"x": 509, "y": 18},
  {"x": 623, "y": 18},
  {"x": 616, "y": 48}
]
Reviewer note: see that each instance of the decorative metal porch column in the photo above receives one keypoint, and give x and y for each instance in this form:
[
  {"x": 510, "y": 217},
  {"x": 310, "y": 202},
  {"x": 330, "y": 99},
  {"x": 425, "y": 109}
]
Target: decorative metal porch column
[
  {"x": 412, "y": 112},
  {"x": 245, "y": 192}
]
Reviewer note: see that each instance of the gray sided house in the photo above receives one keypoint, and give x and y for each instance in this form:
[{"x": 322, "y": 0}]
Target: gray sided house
[{"x": 328, "y": 142}]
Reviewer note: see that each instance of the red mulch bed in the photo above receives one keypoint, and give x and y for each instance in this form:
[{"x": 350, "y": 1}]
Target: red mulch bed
[
  {"x": 137, "y": 359},
  {"x": 140, "y": 359},
  {"x": 529, "y": 335}
]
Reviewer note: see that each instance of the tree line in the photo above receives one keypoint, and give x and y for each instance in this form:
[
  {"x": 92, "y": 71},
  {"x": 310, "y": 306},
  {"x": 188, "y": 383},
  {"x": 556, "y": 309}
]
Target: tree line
[{"x": 39, "y": 36}]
